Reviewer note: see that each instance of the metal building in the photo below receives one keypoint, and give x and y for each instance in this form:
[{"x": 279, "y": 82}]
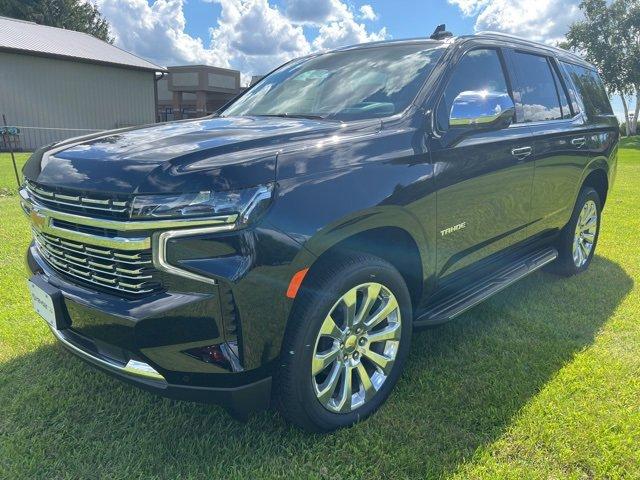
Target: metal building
[
  {"x": 191, "y": 91},
  {"x": 57, "y": 83}
]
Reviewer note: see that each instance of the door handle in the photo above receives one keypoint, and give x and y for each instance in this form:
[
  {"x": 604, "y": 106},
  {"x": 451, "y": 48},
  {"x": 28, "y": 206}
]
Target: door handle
[
  {"x": 522, "y": 152},
  {"x": 579, "y": 142}
]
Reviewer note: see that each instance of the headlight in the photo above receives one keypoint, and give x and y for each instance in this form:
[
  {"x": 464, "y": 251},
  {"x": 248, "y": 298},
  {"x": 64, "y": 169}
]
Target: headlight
[{"x": 247, "y": 204}]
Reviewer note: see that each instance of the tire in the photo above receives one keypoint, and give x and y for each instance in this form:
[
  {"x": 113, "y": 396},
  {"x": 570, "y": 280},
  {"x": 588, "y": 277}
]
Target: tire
[
  {"x": 297, "y": 388},
  {"x": 567, "y": 265}
]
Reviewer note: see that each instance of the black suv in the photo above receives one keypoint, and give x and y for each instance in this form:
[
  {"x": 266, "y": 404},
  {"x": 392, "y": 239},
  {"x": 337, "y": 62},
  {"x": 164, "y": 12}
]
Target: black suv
[{"x": 284, "y": 249}]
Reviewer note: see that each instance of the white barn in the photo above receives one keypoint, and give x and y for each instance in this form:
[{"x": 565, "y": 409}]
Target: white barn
[{"x": 57, "y": 83}]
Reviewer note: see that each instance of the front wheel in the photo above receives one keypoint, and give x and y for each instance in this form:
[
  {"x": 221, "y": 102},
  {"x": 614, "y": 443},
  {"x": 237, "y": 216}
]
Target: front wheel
[
  {"x": 346, "y": 346},
  {"x": 578, "y": 240}
]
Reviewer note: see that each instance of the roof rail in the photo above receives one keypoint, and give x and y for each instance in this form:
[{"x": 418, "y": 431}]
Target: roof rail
[
  {"x": 531, "y": 42},
  {"x": 515, "y": 37}
]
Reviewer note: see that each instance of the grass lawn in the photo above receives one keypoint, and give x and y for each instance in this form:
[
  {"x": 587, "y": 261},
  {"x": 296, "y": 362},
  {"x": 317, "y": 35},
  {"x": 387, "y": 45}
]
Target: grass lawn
[{"x": 541, "y": 381}]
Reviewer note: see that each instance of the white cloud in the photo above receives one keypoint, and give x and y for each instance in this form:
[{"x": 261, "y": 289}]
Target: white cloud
[
  {"x": 157, "y": 32},
  {"x": 336, "y": 22},
  {"x": 310, "y": 11},
  {"x": 340, "y": 28},
  {"x": 367, "y": 13},
  {"x": 256, "y": 37},
  {"x": 469, "y": 7},
  {"x": 252, "y": 36},
  {"x": 540, "y": 20},
  {"x": 345, "y": 32}
]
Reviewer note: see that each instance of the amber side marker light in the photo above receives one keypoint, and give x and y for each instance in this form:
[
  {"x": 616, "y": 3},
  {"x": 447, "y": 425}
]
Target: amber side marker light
[{"x": 295, "y": 283}]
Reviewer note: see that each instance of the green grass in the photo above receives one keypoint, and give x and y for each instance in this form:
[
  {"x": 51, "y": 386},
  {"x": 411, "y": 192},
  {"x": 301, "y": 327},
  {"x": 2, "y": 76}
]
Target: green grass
[
  {"x": 541, "y": 381},
  {"x": 7, "y": 174}
]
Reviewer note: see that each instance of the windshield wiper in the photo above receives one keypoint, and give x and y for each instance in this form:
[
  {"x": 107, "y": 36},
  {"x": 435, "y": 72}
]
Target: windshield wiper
[{"x": 294, "y": 115}]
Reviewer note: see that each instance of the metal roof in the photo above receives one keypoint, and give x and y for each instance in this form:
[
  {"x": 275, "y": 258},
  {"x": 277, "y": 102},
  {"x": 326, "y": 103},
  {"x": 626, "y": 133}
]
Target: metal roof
[{"x": 42, "y": 40}]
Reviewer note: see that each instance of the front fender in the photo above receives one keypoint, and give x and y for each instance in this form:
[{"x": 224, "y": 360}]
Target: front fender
[
  {"x": 324, "y": 209},
  {"x": 391, "y": 216}
]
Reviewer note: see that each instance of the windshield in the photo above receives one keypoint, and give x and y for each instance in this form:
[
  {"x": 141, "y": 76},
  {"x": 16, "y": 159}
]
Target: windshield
[{"x": 348, "y": 85}]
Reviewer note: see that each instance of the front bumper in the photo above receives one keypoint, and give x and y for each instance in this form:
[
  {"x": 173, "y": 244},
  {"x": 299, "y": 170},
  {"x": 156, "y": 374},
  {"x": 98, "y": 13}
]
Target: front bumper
[
  {"x": 143, "y": 341},
  {"x": 158, "y": 303},
  {"x": 239, "y": 400}
]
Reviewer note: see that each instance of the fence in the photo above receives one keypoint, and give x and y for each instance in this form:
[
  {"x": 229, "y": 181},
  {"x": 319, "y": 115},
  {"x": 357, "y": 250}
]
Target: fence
[
  {"x": 29, "y": 138},
  {"x": 167, "y": 114}
]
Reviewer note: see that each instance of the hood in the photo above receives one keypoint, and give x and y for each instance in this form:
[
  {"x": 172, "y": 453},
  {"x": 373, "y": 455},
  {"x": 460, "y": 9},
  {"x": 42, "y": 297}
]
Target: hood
[{"x": 196, "y": 155}]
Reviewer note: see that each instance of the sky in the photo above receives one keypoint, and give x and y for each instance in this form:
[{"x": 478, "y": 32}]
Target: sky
[{"x": 255, "y": 36}]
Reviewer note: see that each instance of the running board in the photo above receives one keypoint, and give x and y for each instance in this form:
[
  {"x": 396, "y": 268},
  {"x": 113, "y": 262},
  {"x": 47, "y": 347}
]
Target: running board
[{"x": 453, "y": 305}]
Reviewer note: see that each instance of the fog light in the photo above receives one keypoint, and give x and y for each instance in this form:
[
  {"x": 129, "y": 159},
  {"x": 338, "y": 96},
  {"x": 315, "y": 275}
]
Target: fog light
[{"x": 219, "y": 354}]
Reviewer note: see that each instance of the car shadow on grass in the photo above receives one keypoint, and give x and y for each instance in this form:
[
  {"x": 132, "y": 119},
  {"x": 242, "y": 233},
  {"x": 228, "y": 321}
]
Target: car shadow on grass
[{"x": 463, "y": 384}]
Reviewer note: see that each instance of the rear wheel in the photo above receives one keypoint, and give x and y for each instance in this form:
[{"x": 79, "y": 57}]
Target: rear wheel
[
  {"x": 345, "y": 350},
  {"x": 578, "y": 240}
]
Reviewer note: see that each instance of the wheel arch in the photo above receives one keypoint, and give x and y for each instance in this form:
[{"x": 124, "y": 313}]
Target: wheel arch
[
  {"x": 598, "y": 179},
  {"x": 596, "y": 175},
  {"x": 390, "y": 233}
]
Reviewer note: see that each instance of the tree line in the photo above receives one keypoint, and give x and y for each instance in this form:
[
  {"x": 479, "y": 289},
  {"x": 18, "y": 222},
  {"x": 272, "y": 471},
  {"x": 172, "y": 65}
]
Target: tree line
[
  {"x": 609, "y": 37},
  {"x": 75, "y": 15}
]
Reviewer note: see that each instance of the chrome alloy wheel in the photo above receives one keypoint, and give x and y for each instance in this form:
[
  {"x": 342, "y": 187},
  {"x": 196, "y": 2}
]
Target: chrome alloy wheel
[
  {"x": 585, "y": 234},
  {"x": 356, "y": 347}
]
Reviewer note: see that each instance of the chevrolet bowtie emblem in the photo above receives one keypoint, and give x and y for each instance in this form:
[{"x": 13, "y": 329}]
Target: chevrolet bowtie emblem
[{"x": 37, "y": 219}]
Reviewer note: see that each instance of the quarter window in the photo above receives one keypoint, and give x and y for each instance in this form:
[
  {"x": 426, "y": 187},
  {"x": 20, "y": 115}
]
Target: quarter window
[
  {"x": 592, "y": 91},
  {"x": 478, "y": 70},
  {"x": 538, "y": 97}
]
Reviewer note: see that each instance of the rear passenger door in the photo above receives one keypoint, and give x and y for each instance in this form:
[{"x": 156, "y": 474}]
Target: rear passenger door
[
  {"x": 560, "y": 137},
  {"x": 483, "y": 176},
  {"x": 602, "y": 126}
]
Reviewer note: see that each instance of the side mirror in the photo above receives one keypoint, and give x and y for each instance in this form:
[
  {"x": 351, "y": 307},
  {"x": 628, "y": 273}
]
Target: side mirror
[{"x": 482, "y": 109}]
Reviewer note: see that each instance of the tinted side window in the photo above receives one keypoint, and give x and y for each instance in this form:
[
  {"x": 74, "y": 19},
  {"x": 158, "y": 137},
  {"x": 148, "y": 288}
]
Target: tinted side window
[
  {"x": 562, "y": 94},
  {"x": 478, "y": 70},
  {"x": 576, "y": 103},
  {"x": 537, "y": 90},
  {"x": 591, "y": 89}
]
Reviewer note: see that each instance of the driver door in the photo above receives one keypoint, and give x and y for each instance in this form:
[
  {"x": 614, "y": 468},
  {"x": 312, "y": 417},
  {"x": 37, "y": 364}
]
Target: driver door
[{"x": 483, "y": 175}]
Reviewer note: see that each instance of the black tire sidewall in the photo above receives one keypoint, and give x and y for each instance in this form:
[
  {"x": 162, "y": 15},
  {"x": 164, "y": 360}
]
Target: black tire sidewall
[
  {"x": 320, "y": 299},
  {"x": 566, "y": 246}
]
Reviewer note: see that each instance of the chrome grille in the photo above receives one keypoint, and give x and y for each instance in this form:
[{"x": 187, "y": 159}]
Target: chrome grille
[
  {"x": 94, "y": 240},
  {"x": 122, "y": 271},
  {"x": 73, "y": 202}
]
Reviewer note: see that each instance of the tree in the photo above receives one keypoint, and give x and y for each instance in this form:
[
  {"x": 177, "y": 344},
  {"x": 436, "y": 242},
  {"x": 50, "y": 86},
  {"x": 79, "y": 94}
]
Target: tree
[
  {"x": 609, "y": 37},
  {"x": 70, "y": 14}
]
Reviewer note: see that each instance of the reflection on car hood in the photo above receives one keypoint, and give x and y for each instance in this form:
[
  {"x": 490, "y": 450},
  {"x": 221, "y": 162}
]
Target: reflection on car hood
[{"x": 213, "y": 153}]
